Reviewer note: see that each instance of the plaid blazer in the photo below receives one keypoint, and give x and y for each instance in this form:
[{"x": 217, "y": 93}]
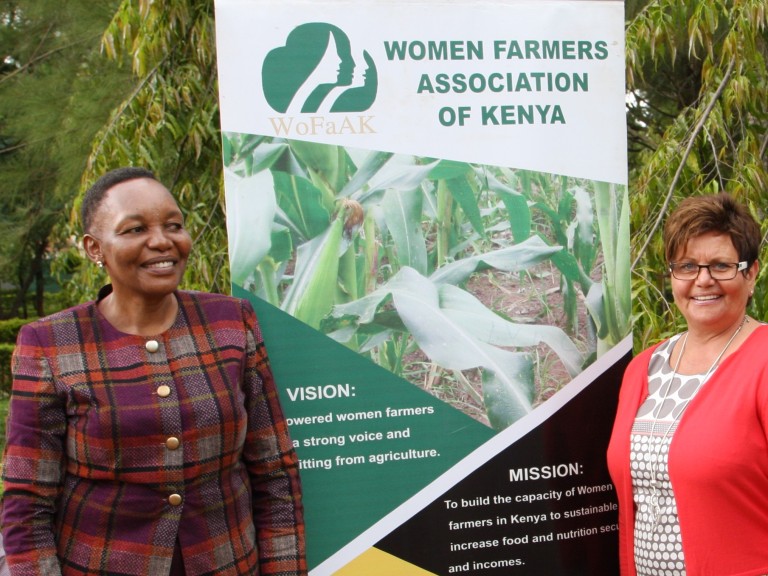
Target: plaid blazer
[{"x": 118, "y": 445}]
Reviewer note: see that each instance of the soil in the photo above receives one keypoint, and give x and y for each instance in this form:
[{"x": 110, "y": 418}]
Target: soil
[{"x": 534, "y": 297}]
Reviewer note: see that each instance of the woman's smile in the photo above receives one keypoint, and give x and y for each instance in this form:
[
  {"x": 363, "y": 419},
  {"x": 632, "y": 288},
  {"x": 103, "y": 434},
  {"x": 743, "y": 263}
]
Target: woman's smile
[
  {"x": 708, "y": 304},
  {"x": 139, "y": 234}
]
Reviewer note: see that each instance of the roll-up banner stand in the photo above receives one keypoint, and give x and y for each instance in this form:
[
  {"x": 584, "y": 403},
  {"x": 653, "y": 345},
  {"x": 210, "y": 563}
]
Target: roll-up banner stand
[{"x": 427, "y": 206}]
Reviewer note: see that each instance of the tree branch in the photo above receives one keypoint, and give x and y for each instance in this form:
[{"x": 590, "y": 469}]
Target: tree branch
[
  {"x": 37, "y": 59},
  {"x": 119, "y": 113},
  {"x": 698, "y": 128}
]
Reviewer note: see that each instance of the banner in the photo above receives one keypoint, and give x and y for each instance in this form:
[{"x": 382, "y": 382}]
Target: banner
[{"x": 427, "y": 206}]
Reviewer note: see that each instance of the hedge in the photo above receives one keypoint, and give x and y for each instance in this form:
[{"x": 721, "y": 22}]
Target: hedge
[
  {"x": 8, "y": 331},
  {"x": 5, "y": 368},
  {"x": 10, "y": 328}
]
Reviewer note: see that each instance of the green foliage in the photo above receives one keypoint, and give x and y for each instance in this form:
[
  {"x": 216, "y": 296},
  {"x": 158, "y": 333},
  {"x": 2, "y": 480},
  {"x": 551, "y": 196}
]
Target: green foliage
[
  {"x": 167, "y": 123},
  {"x": 55, "y": 93},
  {"x": 377, "y": 250},
  {"x": 697, "y": 118},
  {"x": 9, "y": 329},
  {"x": 612, "y": 309},
  {"x": 6, "y": 351},
  {"x": 698, "y": 124}
]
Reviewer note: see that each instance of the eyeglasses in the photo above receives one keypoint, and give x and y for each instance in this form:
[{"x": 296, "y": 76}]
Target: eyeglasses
[{"x": 717, "y": 270}]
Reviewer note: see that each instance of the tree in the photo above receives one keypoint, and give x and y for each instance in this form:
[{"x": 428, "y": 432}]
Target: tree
[
  {"x": 55, "y": 92},
  {"x": 169, "y": 124},
  {"x": 697, "y": 116},
  {"x": 697, "y": 123}
]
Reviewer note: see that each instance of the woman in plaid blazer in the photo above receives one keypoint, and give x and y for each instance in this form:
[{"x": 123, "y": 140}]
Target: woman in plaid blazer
[{"x": 145, "y": 435}]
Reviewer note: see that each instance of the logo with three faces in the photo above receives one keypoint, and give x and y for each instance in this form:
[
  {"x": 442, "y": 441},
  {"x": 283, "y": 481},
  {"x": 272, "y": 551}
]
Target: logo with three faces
[{"x": 316, "y": 71}]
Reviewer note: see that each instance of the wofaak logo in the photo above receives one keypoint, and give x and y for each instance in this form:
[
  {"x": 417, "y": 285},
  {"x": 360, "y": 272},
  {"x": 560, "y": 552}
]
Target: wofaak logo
[{"x": 316, "y": 72}]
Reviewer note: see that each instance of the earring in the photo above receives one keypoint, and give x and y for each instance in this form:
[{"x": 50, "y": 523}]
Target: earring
[{"x": 99, "y": 263}]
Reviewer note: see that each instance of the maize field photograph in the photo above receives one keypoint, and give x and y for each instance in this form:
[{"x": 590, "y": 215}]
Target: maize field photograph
[{"x": 489, "y": 287}]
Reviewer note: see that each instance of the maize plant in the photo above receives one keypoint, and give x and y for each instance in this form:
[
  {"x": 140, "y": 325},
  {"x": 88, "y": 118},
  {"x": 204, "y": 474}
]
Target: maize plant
[{"x": 378, "y": 250}]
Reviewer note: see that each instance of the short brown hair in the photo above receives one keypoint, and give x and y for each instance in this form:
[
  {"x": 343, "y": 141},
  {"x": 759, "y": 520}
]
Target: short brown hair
[{"x": 718, "y": 213}]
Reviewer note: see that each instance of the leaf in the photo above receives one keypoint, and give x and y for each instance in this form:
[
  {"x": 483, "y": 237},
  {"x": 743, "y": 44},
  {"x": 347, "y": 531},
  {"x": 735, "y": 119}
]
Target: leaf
[
  {"x": 313, "y": 290},
  {"x": 519, "y": 214},
  {"x": 501, "y": 403},
  {"x": 450, "y": 169},
  {"x": 487, "y": 326},
  {"x": 402, "y": 212},
  {"x": 623, "y": 280},
  {"x": 569, "y": 267},
  {"x": 321, "y": 158},
  {"x": 416, "y": 300},
  {"x": 463, "y": 194},
  {"x": 265, "y": 155},
  {"x": 584, "y": 239},
  {"x": 282, "y": 246},
  {"x": 372, "y": 164},
  {"x": 253, "y": 200},
  {"x": 448, "y": 342},
  {"x": 365, "y": 308},
  {"x": 612, "y": 207},
  {"x": 400, "y": 173},
  {"x": 596, "y": 306},
  {"x": 513, "y": 259},
  {"x": 302, "y": 204}
]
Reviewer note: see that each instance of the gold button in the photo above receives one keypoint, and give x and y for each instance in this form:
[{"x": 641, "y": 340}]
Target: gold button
[
  {"x": 163, "y": 391},
  {"x": 152, "y": 345},
  {"x": 172, "y": 443},
  {"x": 174, "y": 499}
]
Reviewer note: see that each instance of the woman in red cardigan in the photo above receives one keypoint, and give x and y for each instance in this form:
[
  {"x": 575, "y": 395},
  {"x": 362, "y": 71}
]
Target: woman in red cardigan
[
  {"x": 145, "y": 436},
  {"x": 689, "y": 450}
]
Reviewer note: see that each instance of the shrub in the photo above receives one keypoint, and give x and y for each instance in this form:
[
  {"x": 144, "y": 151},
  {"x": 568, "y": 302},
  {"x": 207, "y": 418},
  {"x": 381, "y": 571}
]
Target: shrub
[
  {"x": 6, "y": 350},
  {"x": 8, "y": 332},
  {"x": 10, "y": 328}
]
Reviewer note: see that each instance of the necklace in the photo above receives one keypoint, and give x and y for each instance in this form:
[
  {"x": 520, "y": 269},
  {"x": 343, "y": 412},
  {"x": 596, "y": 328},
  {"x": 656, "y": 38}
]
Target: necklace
[{"x": 656, "y": 481}]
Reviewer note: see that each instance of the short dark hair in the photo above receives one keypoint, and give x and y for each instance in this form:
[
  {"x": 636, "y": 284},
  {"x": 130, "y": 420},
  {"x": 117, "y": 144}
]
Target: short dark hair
[
  {"x": 719, "y": 213},
  {"x": 95, "y": 194}
]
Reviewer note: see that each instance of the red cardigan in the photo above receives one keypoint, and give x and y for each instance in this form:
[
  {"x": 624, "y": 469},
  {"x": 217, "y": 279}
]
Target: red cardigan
[{"x": 718, "y": 465}]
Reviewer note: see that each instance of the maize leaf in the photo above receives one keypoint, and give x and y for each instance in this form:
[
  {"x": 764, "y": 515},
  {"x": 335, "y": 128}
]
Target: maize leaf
[
  {"x": 313, "y": 291},
  {"x": 253, "y": 200}
]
